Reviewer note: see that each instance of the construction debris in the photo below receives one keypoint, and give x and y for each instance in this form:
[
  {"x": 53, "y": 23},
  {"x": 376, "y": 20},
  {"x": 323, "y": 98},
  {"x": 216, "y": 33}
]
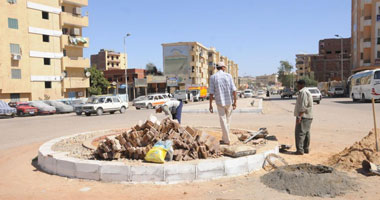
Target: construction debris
[{"x": 188, "y": 143}]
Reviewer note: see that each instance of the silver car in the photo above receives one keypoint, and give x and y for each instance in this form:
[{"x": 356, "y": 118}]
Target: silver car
[
  {"x": 316, "y": 94},
  {"x": 60, "y": 106}
]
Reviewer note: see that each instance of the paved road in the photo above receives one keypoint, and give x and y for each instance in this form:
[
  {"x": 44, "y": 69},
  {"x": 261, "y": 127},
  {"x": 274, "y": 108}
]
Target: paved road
[{"x": 339, "y": 111}]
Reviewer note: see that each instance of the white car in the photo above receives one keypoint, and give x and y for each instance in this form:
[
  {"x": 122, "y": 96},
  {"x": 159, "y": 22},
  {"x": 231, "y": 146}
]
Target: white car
[
  {"x": 152, "y": 101},
  {"x": 101, "y": 104},
  {"x": 260, "y": 92},
  {"x": 316, "y": 94},
  {"x": 248, "y": 93}
]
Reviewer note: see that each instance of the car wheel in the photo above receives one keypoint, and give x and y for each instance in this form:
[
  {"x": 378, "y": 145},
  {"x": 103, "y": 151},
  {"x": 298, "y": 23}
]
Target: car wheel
[
  {"x": 291, "y": 96},
  {"x": 137, "y": 108},
  {"x": 353, "y": 98},
  {"x": 13, "y": 115},
  {"x": 78, "y": 113},
  {"x": 112, "y": 112},
  {"x": 20, "y": 113},
  {"x": 88, "y": 114},
  {"x": 149, "y": 106},
  {"x": 318, "y": 102},
  {"x": 363, "y": 98},
  {"x": 122, "y": 110},
  {"x": 99, "y": 111}
]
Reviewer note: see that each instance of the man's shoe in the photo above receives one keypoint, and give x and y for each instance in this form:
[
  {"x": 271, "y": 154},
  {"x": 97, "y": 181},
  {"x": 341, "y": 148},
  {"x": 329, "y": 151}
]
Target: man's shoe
[
  {"x": 306, "y": 151},
  {"x": 223, "y": 142},
  {"x": 298, "y": 153}
]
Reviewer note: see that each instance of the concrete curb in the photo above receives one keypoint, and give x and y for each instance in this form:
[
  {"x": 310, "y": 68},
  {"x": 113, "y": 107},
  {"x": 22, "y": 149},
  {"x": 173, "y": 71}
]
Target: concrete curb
[
  {"x": 59, "y": 163},
  {"x": 259, "y": 109}
]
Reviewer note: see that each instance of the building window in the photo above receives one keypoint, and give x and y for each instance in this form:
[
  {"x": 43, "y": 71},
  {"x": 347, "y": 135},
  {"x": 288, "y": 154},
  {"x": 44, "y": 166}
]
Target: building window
[
  {"x": 63, "y": 8},
  {"x": 328, "y": 52},
  {"x": 45, "y": 15},
  {"x": 193, "y": 58},
  {"x": 47, "y": 84},
  {"x": 378, "y": 40},
  {"x": 378, "y": 54},
  {"x": 16, "y": 73},
  {"x": 12, "y": 1},
  {"x": 361, "y": 56},
  {"x": 15, "y": 49},
  {"x": 45, "y": 38},
  {"x": 12, "y": 23},
  {"x": 65, "y": 31},
  {"x": 46, "y": 61},
  {"x": 64, "y": 52},
  {"x": 337, "y": 52},
  {"x": 192, "y": 69},
  {"x": 15, "y": 97}
]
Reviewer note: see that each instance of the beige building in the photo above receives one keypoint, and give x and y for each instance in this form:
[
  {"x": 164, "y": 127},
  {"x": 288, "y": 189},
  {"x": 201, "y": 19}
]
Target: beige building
[
  {"x": 365, "y": 32},
  {"x": 108, "y": 60},
  {"x": 266, "y": 80},
  {"x": 304, "y": 65},
  {"x": 192, "y": 64},
  {"x": 42, "y": 49}
]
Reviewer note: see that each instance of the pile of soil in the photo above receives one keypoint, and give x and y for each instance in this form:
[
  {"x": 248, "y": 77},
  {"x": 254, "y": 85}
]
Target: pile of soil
[
  {"x": 351, "y": 158},
  {"x": 309, "y": 180}
]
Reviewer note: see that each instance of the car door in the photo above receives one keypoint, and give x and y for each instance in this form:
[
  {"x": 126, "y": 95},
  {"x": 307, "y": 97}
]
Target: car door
[
  {"x": 108, "y": 104},
  {"x": 116, "y": 103}
]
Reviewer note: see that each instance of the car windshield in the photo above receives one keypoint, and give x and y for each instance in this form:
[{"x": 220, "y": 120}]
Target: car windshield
[
  {"x": 150, "y": 97},
  {"x": 194, "y": 92},
  {"x": 23, "y": 104},
  {"x": 247, "y": 91},
  {"x": 338, "y": 89},
  {"x": 96, "y": 100},
  {"x": 314, "y": 91}
]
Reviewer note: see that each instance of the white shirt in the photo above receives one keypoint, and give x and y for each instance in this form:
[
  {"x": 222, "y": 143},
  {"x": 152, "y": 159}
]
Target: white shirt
[
  {"x": 170, "y": 107},
  {"x": 304, "y": 104},
  {"x": 222, "y": 87}
]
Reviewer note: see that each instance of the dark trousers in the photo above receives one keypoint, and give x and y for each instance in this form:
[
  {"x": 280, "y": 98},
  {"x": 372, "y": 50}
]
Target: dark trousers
[
  {"x": 178, "y": 112},
  {"x": 302, "y": 135}
]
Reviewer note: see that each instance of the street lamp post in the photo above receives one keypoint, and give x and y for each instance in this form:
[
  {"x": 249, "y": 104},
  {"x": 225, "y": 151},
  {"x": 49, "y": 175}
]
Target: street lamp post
[
  {"x": 341, "y": 55},
  {"x": 125, "y": 64}
]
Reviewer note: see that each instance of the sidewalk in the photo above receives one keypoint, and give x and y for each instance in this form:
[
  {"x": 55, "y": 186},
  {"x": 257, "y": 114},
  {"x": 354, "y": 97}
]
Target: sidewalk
[{"x": 244, "y": 105}]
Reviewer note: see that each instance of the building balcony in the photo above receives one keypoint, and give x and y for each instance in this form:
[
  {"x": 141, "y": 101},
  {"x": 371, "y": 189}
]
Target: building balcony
[
  {"x": 76, "y": 82},
  {"x": 80, "y": 3},
  {"x": 73, "y": 19},
  {"x": 78, "y": 62},
  {"x": 113, "y": 61},
  {"x": 71, "y": 41},
  {"x": 367, "y": 21}
]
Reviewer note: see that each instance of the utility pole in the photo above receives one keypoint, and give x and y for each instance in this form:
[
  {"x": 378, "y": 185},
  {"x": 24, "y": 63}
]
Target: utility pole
[
  {"x": 341, "y": 56},
  {"x": 125, "y": 65}
]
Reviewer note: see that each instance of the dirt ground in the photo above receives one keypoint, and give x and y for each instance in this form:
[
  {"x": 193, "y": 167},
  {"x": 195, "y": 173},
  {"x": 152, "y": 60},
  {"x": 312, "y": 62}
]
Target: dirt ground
[{"x": 20, "y": 179}]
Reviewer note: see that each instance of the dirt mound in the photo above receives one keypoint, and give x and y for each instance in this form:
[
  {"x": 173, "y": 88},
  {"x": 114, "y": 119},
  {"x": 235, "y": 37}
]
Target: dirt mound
[
  {"x": 309, "y": 180},
  {"x": 351, "y": 158}
]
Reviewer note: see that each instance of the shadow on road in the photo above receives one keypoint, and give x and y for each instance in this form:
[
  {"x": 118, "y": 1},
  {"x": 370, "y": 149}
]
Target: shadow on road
[{"x": 279, "y": 99}]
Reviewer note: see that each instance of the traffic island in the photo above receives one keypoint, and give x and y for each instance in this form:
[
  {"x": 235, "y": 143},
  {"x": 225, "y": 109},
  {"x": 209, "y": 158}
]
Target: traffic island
[{"x": 67, "y": 157}]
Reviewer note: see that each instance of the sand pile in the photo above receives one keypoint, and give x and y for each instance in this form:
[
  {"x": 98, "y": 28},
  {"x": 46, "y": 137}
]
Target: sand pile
[
  {"x": 351, "y": 158},
  {"x": 309, "y": 180}
]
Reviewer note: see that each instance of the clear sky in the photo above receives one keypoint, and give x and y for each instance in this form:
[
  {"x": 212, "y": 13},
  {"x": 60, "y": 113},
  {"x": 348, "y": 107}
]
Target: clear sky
[{"x": 256, "y": 34}]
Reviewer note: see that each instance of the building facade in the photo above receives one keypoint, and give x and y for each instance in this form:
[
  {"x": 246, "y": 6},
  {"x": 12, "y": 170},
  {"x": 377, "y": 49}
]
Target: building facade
[
  {"x": 365, "y": 32},
  {"x": 42, "y": 49},
  {"x": 191, "y": 64},
  {"x": 303, "y": 65},
  {"x": 267, "y": 80},
  {"x": 108, "y": 60}
]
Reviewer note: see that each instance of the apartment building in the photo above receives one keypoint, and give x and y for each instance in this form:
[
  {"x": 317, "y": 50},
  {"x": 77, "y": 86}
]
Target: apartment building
[
  {"x": 365, "y": 31},
  {"x": 192, "y": 64},
  {"x": 303, "y": 65},
  {"x": 109, "y": 60},
  {"x": 42, "y": 49}
]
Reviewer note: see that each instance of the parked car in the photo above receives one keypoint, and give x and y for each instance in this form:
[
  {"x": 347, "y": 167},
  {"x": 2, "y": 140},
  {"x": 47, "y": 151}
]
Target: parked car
[
  {"x": 151, "y": 102},
  {"x": 287, "y": 92},
  {"x": 101, "y": 104},
  {"x": 60, "y": 106},
  {"x": 248, "y": 93},
  {"x": 42, "y": 107},
  {"x": 24, "y": 108},
  {"x": 260, "y": 92},
  {"x": 317, "y": 96},
  {"x": 336, "y": 91},
  {"x": 6, "y": 110},
  {"x": 140, "y": 98}
]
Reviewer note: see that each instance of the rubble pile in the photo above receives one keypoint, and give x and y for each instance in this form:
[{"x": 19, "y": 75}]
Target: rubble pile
[{"x": 188, "y": 143}]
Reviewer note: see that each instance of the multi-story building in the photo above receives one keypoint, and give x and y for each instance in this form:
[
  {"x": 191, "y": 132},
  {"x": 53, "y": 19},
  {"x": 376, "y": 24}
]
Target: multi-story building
[
  {"x": 246, "y": 82},
  {"x": 303, "y": 65},
  {"x": 327, "y": 65},
  {"x": 42, "y": 49},
  {"x": 108, "y": 60},
  {"x": 267, "y": 80},
  {"x": 365, "y": 31},
  {"x": 192, "y": 64}
]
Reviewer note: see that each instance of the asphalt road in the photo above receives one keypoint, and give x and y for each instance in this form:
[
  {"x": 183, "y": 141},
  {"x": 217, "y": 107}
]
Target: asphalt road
[{"x": 332, "y": 113}]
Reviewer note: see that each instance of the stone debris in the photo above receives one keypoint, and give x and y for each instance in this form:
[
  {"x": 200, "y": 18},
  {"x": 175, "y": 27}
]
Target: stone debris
[{"x": 188, "y": 143}]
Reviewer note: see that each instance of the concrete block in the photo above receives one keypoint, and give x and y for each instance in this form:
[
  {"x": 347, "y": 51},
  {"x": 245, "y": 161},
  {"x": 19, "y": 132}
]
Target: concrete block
[
  {"x": 148, "y": 173},
  {"x": 179, "y": 172},
  {"x": 66, "y": 167},
  {"x": 114, "y": 172},
  {"x": 88, "y": 170},
  {"x": 236, "y": 166},
  {"x": 210, "y": 169},
  {"x": 48, "y": 164},
  {"x": 255, "y": 162}
]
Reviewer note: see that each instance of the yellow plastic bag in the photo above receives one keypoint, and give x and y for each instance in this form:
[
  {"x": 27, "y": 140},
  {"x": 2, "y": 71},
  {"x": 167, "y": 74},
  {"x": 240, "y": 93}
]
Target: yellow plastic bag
[{"x": 156, "y": 155}]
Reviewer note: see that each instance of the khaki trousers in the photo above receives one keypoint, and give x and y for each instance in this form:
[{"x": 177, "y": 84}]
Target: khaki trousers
[{"x": 225, "y": 120}]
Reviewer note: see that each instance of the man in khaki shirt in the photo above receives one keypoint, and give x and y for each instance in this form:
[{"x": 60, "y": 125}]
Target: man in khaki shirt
[{"x": 303, "y": 112}]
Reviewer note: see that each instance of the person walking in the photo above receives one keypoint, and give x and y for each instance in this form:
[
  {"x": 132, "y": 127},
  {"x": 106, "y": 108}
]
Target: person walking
[
  {"x": 172, "y": 108},
  {"x": 303, "y": 111},
  {"x": 223, "y": 89}
]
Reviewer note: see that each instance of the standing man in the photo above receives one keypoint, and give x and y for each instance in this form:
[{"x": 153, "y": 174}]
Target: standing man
[
  {"x": 303, "y": 112},
  {"x": 223, "y": 89},
  {"x": 172, "y": 108}
]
